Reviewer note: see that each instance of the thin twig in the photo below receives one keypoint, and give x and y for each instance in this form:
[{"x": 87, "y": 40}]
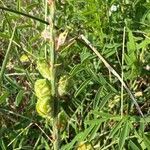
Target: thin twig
[{"x": 43, "y": 132}]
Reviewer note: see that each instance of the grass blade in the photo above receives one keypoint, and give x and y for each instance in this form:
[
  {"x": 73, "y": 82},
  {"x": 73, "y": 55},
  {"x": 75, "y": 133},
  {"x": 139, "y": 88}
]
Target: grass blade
[
  {"x": 7, "y": 56},
  {"x": 146, "y": 142},
  {"x": 81, "y": 87},
  {"x": 104, "y": 101},
  {"x": 123, "y": 135},
  {"x": 3, "y": 97},
  {"x": 19, "y": 98},
  {"x": 133, "y": 146}
]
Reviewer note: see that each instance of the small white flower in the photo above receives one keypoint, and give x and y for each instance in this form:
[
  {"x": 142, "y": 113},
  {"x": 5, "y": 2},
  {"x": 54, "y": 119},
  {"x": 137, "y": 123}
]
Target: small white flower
[
  {"x": 147, "y": 67},
  {"x": 113, "y": 8}
]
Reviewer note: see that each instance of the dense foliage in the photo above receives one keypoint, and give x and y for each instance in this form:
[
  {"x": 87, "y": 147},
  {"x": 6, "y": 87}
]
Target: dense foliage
[{"x": 96, "y": 112}]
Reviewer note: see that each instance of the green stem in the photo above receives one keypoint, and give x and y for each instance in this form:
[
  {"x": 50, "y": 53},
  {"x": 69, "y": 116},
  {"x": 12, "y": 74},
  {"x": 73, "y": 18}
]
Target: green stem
[
  {"x": 122, "y": 73},
  {"x": 53, "y": 77},
  {"x": 46, "y": 8},
  {"x": 6, "y": 56}
]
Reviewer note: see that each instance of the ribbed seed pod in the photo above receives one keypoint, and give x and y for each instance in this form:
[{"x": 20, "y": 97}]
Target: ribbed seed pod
[
  {"x": 42, "y": 89},
  {"x": 44, "y": 68},
  {"x": 44, "y": 103},
  {"x": 44, "y": 107},
  {"x": 63, "y": 85}
]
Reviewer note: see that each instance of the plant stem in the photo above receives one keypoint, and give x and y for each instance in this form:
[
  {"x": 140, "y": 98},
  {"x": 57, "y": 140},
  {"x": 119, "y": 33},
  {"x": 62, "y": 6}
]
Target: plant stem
[
  {"x": 122, "y": 69},
  {"x": 6, "y": 56},
  {"x": 53, "y": 77},
  {"x": 46, "y": 8}
]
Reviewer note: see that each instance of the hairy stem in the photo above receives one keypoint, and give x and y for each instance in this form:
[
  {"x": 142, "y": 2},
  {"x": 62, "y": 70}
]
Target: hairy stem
[{"x": 53, "y": 77}]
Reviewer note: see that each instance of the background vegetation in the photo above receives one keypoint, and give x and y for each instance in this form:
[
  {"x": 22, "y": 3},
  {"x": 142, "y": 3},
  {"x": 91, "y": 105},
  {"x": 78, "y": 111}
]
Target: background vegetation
[{"x": 99, "y": 112}]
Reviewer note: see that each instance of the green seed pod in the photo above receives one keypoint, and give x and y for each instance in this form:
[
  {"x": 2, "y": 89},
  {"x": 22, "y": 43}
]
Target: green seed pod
[
  {"x": 44, "y": 69},
  {"x": 44, "y": 107},
  {"x": 63, "y": 85},
  {"x": 42, "y": 89}
]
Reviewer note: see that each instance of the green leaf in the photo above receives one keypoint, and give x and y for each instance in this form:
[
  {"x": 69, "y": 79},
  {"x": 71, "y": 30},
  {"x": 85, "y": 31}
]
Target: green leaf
[
  {"x": 95, "y": 121},
  {"x": 100, "y": 79},
  {"x": 143, "y": 44},
  {"x": 131, "y": 56},
  {"x": 81, "y": 136},
  {"x": 94, "y": 132},
  {"x": 82, "y": 87},
  {"x": 133, "y": 146},
  {"x": 104, "y": 101},
  {"x": 123, "y": 135},
  {"x": 3, "y": 97},
  {"x": 115, "y": 129},
  {"x": 19, "y": 98},
  {"x": 131, "y": 42},
  {"x": 76, "y": 69},
  {"x": 13, "y": 82},
  {"x": 85, "y": 55},
  {"x": 98, "y": 95},
  {"x": 146, "y": 141},
  {"x": 2, "y": 145}
]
